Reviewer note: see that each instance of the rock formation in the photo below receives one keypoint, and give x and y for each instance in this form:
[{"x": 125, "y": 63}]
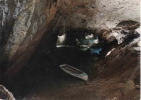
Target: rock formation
[
  {"x": 5, "y": 94},
  {"x": 23, "y": 24}
]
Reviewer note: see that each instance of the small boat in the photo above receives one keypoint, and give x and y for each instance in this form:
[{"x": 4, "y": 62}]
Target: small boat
[{"x": 74, "y": 72}]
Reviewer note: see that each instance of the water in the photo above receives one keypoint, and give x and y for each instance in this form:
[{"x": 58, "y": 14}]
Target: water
[
  {"x": 97, "y": 51},
  {"x": 84, "y": 48}
]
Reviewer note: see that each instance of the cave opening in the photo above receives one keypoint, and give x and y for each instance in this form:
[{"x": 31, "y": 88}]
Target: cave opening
[{"x": 80, "y": 48}]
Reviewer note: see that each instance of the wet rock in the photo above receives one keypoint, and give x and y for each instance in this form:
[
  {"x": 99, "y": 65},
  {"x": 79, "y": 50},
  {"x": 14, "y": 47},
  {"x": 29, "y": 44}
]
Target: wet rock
[{"x": 5, "y": 94}]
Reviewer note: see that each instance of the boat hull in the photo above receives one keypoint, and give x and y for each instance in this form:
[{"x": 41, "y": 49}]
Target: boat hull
[{"x": 74, "y": 72}]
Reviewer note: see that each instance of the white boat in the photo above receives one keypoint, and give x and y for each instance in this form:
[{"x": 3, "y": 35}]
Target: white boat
[{"x": 74, "y": 72}]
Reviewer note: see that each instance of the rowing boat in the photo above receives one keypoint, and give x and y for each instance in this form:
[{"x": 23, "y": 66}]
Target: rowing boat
[{"x": 74, "y": 72}]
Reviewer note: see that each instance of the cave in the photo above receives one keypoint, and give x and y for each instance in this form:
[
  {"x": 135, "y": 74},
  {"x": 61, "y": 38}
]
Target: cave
[{"x": 99, "y": 38}]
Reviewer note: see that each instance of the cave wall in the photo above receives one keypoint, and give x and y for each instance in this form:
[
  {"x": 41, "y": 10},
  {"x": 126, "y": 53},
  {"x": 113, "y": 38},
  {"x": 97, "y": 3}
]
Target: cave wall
[
  {"x": 29, "y": 18},
  {"x": 23, "y": 23}
]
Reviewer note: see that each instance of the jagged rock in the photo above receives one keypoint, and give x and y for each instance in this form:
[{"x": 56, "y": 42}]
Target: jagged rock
[{"x": 5, "y": 94}]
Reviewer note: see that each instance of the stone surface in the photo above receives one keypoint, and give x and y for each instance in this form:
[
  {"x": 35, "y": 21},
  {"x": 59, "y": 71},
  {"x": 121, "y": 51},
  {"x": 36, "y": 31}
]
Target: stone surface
[{"x": 5, "y": 94}]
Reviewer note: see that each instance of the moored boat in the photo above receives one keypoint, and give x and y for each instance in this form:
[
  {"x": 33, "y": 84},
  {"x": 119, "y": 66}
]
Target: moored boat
[{"x": 74, "y": 72}]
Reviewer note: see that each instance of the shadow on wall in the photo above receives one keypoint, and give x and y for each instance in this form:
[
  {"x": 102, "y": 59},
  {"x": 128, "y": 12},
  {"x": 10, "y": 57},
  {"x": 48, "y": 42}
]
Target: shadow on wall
[{"x": 5, "y": 32}]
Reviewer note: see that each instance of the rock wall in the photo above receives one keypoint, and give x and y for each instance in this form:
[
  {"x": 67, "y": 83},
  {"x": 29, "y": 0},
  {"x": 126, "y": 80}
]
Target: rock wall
[
  {"x": 29, "y": 17},
  {"x": 5, "y": 94},
  {"x": 23, "y": 23}
]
